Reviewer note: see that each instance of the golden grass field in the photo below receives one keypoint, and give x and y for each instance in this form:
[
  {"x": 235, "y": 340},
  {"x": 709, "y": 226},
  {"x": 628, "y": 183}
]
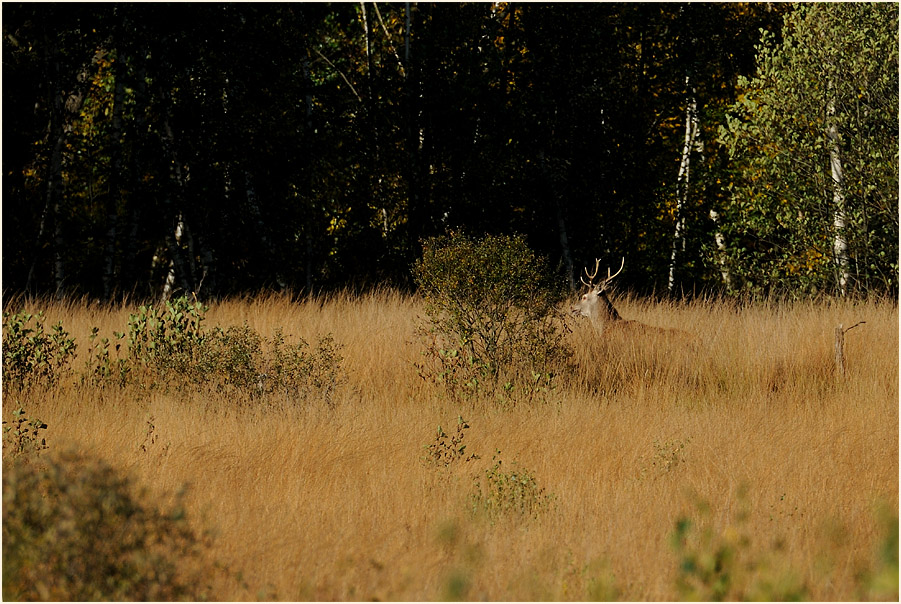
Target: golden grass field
[{"x": 746, "y": 431}]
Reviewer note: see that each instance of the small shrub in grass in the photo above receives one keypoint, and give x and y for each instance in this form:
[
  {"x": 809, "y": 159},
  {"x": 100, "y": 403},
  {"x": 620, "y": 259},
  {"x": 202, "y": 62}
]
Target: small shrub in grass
[
  {"x": 666, "y": 458},
  {"x": 168, "y": 347},
  {"x": 326, "y": 372},
  {"x": 500, "y": 492},
  {"x": 299, "y": 372},
  {"x": 169, "y": 340},
  {"x": 239, "y": 357},
  {"x": 490, "y": 316},
  {"x": 173, "y": 346},
  {"x": 880, "y": 582},
  {"x": 31, "y": 356},
  {"x": 101, "y": 368},
  {"x": 725, "y": 565},
  {"x": 448, "y": 449},
  {"x": 76, "y": 530},
  {"x": 22, "y": 436}
]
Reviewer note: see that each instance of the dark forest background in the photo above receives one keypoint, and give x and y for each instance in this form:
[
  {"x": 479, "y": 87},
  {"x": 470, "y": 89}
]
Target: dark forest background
[{"x": 231, "y": 148}]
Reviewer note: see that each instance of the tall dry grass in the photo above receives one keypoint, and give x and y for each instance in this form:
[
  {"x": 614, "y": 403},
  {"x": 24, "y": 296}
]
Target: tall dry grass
[{"x": 745, "y": 430}]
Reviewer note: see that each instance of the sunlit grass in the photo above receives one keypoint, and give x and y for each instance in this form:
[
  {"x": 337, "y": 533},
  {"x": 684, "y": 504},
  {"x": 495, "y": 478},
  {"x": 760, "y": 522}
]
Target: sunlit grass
[{"x": 320, "y": 502}]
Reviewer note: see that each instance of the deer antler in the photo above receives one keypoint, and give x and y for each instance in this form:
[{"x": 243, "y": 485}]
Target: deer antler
[
  {"x": 597, "y": 264},
  {"x": 591, "y": 277},
  {"x": 609, "y": 276}
]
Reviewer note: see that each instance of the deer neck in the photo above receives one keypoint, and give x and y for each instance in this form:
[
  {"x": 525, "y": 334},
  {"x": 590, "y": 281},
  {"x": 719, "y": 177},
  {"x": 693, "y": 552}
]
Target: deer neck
[{"x": 605, "y": 309}]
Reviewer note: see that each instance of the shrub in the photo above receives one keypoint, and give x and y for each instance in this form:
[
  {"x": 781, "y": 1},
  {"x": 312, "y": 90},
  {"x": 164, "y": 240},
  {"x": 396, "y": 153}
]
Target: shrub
[
  {"x": 22, "y": 436},
  {"x": 239, "y": 356},
  {"x": 31, "y": 356},
  {"x": 168, "y": 340},
  {"x": 724, "y": 566},
  {"x": 169, "y": 347},
  {"x": 490, "y": 312},
  {"x": 74, "y": 530},
  {"x": 666, "y": 458},
  {"x": 100, "y": 368},
  {"x": 448, "y": 449},
  {"x": 296, "y": 370},
  {"x": 498, "y": 492}
]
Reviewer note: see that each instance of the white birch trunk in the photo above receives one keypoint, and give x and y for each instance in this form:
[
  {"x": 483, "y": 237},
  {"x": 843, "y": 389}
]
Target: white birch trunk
[
  {"x": 179, "y": 266},
  {"x": 720, "y": 240},
  {"x": 169, "y": 285},
  {"x": 839, "y": 218},
  {"x": 691, "y": 138}
]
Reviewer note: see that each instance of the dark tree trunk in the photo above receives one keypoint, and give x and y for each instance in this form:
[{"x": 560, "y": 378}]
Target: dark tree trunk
[
  {"x": 180, "y": 271},
  {"x": 138, "y": 160},
  {"x": 65, "y": 103},
  {"x": 560, "y": 214},
  {"x": 114, "y": 198}
]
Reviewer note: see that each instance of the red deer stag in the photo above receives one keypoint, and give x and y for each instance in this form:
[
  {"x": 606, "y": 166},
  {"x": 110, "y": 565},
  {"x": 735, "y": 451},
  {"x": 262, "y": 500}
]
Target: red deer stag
[{"x": 595, "y": 305}]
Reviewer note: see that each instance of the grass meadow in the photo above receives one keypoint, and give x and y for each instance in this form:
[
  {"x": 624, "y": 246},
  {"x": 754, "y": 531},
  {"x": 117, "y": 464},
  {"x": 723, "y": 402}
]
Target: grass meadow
[{"x": 737, "y": 464}]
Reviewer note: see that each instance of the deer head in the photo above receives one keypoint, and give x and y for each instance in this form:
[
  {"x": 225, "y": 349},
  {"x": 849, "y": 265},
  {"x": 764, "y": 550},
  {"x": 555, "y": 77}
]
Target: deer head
[{"x": 594, "y": 304}]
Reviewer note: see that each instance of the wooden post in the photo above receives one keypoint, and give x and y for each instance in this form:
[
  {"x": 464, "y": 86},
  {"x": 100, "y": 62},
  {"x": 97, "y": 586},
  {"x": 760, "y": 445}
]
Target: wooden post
[
  {"x": 840, "y": 351},
  {"x": 840, "y": 347}
]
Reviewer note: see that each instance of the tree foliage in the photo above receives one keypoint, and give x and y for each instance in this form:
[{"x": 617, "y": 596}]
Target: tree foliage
[
  {"x": 837, "y": 66},
  {"x": 227, "y": 148}
]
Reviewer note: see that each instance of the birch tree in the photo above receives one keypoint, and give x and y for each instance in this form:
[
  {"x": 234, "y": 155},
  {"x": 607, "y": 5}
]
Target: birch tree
[
  {"x": 691, "y": 145},
  {"x": 839, "y": 213},
  {"x": 814, "y": 143}
]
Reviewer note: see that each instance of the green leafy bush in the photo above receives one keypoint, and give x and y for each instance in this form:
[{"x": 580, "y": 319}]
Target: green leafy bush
[
  {"x": 30, "y": 355},
  {"x": 497, "y": 492},
  {"x": 725, "y": 566},
  {"x": 298, "y": 371},
  {"x": 168, "y": 347},
  {"x": 100, "y": 367},
  {"x": 169, "y": 340},
  {"x": 448, "y": 449},
  {"x": 22, "y": 436},
  {"x": 239, "y": 357},
  {"x": 74, "y": 529},
  {"x": 490, "y": 316}
]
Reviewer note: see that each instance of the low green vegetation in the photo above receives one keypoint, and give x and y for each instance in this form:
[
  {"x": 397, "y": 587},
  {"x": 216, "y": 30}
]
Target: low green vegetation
[
  {"x": 30, "y": 354},
  {"x": 725, "y": 565},
  {"x": 168, "y": 347},
  {"x": 490, "y": 328},
  {"x": 502, "y": 490},
  {"x": 23, "y": 436},
  {"x": 75, "y": 529},
  {"x": 498, "y": 490},
  {"x": 448, "y": 449}
]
